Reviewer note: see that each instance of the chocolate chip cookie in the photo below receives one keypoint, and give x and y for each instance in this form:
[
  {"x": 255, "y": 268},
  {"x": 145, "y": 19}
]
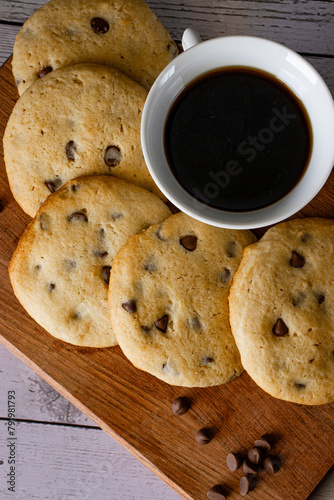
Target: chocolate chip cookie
[
  {"x": 80, "y": 120},
  {"x": 123, "y": 34},
  {"x": 61, "y": 267},
  {"x": 168, "y": 300},
  {"x": 281, "y": 304}
]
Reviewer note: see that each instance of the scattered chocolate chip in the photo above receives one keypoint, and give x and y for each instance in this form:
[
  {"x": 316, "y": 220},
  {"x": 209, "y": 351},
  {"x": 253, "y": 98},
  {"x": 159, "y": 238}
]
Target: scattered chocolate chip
[
  {"x": 75, "y": 187},
  {"x": 112, "y": 156},
  {"x": 255, "y": 455},
  {"x": 203, "y": 436},
  {"x": 105, "y": 274},
  {"x": 53, "y": 185},
  {"x": 320, "y": 298},
  {"x": 38, "y": 267},
  {"x": 234, "y": 461},
  {"x": 161, "y": 324},
  {"x": 272, "y": 464},
  {"x": 231, "y": 248},
  {"x": 130, "y": 306},
  {"x": 280, "y": 329},
  {"x": 181, "y": 405},
  {"x": 248, "y": 467},
  {"x": 100, "y": 253},
  {"x": 311, "y": 360},
  {"x": 51, "y": 287},
  {"x": 116, "y": 215},
  {"x": 77, "y": 216},
  {"x": 44, "y": 221},
  {"x": 297, "y": 260},
  {"x": 44, "y": 71},
  {"x": 71, "y": 149},
  {"x": 189, "y": 242},
  {"x": 225, "y": 275},
  {"x": 1, "y": 206},
  {"x": 247, "y": 484},
  {"x": 206, "y": 360},
  {"x": 99, "y": 25},
  {"x": 264, "y": 441},
  {"x": 300, "y": 385},
  {"x": 217, "y": 492}
]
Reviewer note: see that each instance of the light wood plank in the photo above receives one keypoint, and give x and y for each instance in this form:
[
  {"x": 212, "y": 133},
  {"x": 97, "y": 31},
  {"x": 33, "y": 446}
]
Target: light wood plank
[
  {"x": 7, "y": 39},
  {"x": 304, "y": 25},
  {"x": 36, "y": 399},
  {"x": 65, "y": 463}
]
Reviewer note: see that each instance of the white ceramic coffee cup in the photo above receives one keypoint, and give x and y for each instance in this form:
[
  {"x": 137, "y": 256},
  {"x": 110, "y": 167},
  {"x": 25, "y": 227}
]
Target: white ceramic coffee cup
[{"x": 287, "y": 66}]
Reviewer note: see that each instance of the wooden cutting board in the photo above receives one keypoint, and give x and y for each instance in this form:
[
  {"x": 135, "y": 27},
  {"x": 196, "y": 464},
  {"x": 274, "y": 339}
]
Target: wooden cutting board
[{"x": 135, "y": 408}]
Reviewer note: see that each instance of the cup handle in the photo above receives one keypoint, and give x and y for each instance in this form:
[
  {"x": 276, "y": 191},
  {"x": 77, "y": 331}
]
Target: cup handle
[{"x": 190, "y": 38}]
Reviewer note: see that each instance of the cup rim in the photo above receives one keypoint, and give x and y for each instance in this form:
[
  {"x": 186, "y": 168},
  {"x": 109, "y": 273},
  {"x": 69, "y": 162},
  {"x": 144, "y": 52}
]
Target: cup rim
[{"x": 227, "y": 219}]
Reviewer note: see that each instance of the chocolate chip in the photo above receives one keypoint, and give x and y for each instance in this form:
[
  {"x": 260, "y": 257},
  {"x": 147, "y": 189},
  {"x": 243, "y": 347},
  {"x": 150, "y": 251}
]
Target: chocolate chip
[
  {"x": 181, "y": 405},
  {"x": 233, "y": 461},
  {"x": 298, "y": 299},
  {"x": 217, "y": 492},
  {"x": 300, "y": 385},
  {"x": 130, "y": 306},
  {"x": 225, "y": 275},
  {"x": 112, "y": 156},
  {"x": 161, "y": 324},
  {"x": 280, "y": 329},
  {"x": 51, "y": 287},
  {"x": 105, "y": 274},
  {"x": 1, "y": 206},
  {"x": 71, "y": 149},
  {"x": 189, "y": 242},
  {"x": 145, "y": 328},
  {"x": 231, "y": 249},
  {"x": 70, "y": 264},
  {"x": 76, "y": 315},
  {"x": 53, "y": 185},
  {"x": 264, "y": 441},
  {"x": 150, "y": 266},
  {"x": 100, "y": 253},
  {"x": 44, "y": 221},
  {"x": 203, "y": 436},
  {"x": 248, "y": 467},
  {"x": 77, "y": 216},
  {"x": 159, "y": 235},
  {"x": 99, "y": 25},
  {"x": 44, "y": 71},
  {"x": 195, "y": 323},
  {"x": 297, "y": 260},
  {"x": 75, "y": 187},
  {"x": 116, "y": 215},
  {"x": 255, "y": 455},
  {"x": 320, "y": 298},
  {"x": 271, "y": 464},
  {"x": 247, "y": 484},
  {"x": 206, "y": 360},
  {"x": 305, "y": 237}
]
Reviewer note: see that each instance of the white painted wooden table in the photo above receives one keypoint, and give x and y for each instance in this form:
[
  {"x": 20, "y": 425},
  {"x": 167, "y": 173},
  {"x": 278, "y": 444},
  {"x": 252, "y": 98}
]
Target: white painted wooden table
[{"x": 61, "y": 454}]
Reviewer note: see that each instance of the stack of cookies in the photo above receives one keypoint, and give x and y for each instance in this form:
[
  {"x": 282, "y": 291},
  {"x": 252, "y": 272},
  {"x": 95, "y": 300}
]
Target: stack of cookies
[{"x": 104, "y": 262}]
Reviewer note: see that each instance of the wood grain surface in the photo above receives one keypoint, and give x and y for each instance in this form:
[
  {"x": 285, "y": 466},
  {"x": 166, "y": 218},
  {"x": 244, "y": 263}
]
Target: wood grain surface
[
  {"x": 304, "y": 25},
  {"x": 135, "y": 408}
]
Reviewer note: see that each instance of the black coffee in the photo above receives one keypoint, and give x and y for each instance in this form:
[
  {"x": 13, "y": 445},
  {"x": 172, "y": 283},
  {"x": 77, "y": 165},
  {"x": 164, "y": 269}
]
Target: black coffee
[{"x": 238, "y": 139}]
